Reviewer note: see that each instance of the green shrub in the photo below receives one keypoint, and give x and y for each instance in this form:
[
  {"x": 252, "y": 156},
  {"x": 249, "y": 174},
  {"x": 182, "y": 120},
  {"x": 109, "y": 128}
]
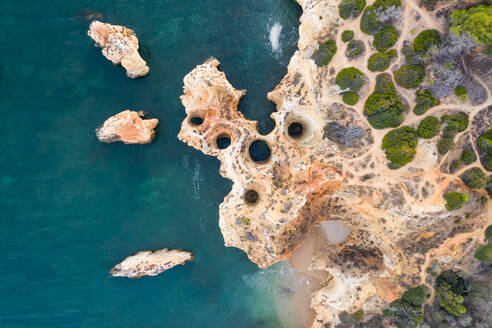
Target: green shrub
[
  {"x": 417, "y": 296},
  {"x": 385, "y": 38},
  {"x": 355, "y": 48},
  {"x": 347, "y": 35},
  {"x": 425, "y": 40},
  {"x": 369, "y": 23},
  {"x": 410, "y": 76},
  {"x": 484, "y": 253},
  {"x": 350, "y": 98},
  {"x": 454, "y": 166},
  {"x": 324, "y": 54},
  {"x": 399, "y": 146},
  {"x": 429, "y": 4},
  {"x": 351, "y": 8},
  {"x": 380, "y": 62},
  {"x": 359, "y": 315},
  {"x": 488, "y": 233},
  {"x": 468, "y": 156},
  {"x": 424, "y": 101},
  {"x": 474, "y": 178},
  {"x": 474, "y": 21},
  {"x": 450, "y": 291},
  {"x": 382, "y": 4},
  {"x": 428, "y": 127},
  {"x": 449, "y": 131},
  {"x": 460, "y": 120},
  {"x": 485, "y": 142},
  {"x": 350, "y": 78},
  {"x": 461, "y": 92},
  {"x": 454, "y": 200},
  {"x": 444, "y": 145},
  {"x": 383, "y": 107}
]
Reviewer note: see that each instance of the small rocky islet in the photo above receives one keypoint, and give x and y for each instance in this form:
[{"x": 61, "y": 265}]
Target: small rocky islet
[{"x": 389, "y": 136}]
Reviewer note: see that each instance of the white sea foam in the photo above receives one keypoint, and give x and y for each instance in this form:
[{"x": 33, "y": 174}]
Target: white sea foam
[{"x": 275, "y": 32}]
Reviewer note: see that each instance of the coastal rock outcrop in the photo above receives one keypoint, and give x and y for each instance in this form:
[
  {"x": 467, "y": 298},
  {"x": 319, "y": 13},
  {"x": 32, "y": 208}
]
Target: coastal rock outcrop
[
  {"x": 148, "y": 263},
  {"x": 323, "y": 162},
  {"x": 127, "y": 127},
  {"x": 120, "y": 45}
]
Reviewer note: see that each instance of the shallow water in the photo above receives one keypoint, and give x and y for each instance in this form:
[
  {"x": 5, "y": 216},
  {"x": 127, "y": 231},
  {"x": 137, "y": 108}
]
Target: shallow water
[{"x": 71, "y": 207}]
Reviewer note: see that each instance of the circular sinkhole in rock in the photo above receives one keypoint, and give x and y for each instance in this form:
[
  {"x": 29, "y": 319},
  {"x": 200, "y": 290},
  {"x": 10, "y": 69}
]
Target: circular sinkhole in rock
[
  {"x": 196, "y": 120},
  {"x": 223, "y": 141},
  {"x": 251, "y": 197},
  {"x": 295, "y": 130},
  {"x": 259, "y": 151}
]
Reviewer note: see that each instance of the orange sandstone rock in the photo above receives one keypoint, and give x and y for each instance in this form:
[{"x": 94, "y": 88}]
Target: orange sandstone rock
[{"x": 127, "y": 127}]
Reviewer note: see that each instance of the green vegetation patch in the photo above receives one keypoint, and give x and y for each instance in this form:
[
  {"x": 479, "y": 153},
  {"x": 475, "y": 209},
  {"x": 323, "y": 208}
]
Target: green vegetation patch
[
  {"x": 484, "y": 253},
  {"x": 355, "y": 48},
  {"x": 325, "y": 53},
  {"x": 424, "y": 101},
  {"x": 461, "y": 92},
  {"x": 474, "y": 178},
  {"x": 351, "y": 8},
  {"x": 428, "y": 127},
  {"x": 383, "y": 107},
  {"x": 406, "y": 312},
  {"x": 347, "y": 35},
  {"x": 459, "y": 120},
  {"x": 385, "y": 38},
  {"x": 476, "y": 22},
  {"x": 350, "y": 78},
  {"x": 399, "y": 146},
  {"x": 444, "y": 145},
  {"x": 485, "y": 142},
  {"x": 455, "y": 200},
  {"x": 468, "y": 156},
  {"x": 380, "y": 62},
  {"x": 410, "y": 76},
  {"x": 350, "y": 98},
  {"x": 450, "y": 292},
  {"x": 425, "y": 40},
  {"x": 369, "y": 23},
  {"x": 488, "y": 233}
]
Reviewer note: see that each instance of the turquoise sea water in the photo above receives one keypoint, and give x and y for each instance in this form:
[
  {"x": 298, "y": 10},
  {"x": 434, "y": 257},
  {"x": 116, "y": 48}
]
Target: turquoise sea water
[{"x": 71, "y": 207}]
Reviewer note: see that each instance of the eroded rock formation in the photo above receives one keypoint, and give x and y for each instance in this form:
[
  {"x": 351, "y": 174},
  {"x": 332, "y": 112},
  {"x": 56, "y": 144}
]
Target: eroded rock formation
[
  {"x": 323, "y": 162},
  {"x": 148, "y": 263},
  {"x": 127, "y": 127},
  {"x": 120, "y": 45}
]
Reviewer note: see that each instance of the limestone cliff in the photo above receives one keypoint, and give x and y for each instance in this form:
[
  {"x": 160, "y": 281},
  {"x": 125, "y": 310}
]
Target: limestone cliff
[
  {"x": 120, "y": 45},
  {"x": 148, "y": 263},
  {"x": 324, "y": 162},
  {"x": 127, "y": 127}
]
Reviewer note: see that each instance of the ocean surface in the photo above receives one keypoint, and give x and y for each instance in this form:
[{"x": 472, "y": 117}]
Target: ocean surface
[{"x": 71, "y": 207}]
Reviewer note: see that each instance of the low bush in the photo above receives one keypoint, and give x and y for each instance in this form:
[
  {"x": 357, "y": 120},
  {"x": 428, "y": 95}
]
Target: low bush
[
  {"x": 425, "y": 40},
  {"x": 484, "y": 253},
  {"x": 350, "y": 78},
  {"x": 347, "y": 35},
  {"x": 369, "y": 23},
  {"x": 468, "y": 156},
  {"x": 324, "y": 54},
  {"x": 450, "y": 291},
  {"x": 485, "y": 142},
  {"x": 410, "y": 76},
  {"x": 351, "y": 8},
  {"x": 385, "y": 38},
  {"x": 474, "y": 178},
  {"x": 461, "y": 92},
  {"x": 355, "y": 49},
  {"x": 450, "y": 131},
  {"x": 350, "y": 98},
  {"x": 399, "y": 146},
  {"x": 380, "y": 62},
  {"x": 444, "y": 145},
  {"x": 424, "y": 101},
  {"x": 455, "y": 200},
  {"x": 383, "y": 107},
  {"x": 407, "y": 311},
  {"x": 428, "y": 127},
  {"x": 460, "y": 120},
  {"x": 417, "y": 296}
]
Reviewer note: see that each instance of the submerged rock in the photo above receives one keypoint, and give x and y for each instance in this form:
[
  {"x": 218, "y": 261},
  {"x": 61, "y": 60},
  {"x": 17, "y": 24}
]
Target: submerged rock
[
  {"x": 127, "y": 127},
  {"x": 120, "y": 45},
  {"x": 148, "y": 263}
]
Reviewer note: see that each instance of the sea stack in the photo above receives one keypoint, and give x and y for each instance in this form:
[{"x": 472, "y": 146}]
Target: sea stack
[
  {"x": 127, "y": 127},
  {"x": 120, "y": 45},
  {"x": 148, "y": 263}
]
